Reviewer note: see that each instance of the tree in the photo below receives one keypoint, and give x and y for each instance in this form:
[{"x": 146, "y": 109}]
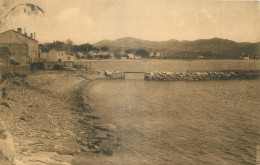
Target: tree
[
  {"x": 130, "y": 51},
  {"x": 143, "y": 53},
  {"x": 83, "y": 48},
  {"x": 104, "y": 48}
]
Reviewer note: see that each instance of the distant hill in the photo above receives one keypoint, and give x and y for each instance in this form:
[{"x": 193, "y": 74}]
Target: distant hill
[
  {"x": 209, "y": 48},
  {"x": 127, "y": 42}
]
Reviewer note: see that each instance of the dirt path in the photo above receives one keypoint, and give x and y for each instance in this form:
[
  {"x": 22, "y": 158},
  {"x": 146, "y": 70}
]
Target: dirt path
[{"x": 43, "y": 112}]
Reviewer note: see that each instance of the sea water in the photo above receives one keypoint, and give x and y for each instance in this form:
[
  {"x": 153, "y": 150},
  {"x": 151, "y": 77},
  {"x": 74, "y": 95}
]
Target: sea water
[{"x": 204, "y": 122}]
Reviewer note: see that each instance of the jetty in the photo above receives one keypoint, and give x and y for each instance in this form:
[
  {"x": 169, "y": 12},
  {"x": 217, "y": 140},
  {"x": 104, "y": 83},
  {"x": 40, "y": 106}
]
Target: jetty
[{"x": 185, "y": 76}]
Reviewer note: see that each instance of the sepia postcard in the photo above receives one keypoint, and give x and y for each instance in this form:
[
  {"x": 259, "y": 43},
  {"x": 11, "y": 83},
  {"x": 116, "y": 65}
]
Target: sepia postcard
[{"x": 129, "y": 82}]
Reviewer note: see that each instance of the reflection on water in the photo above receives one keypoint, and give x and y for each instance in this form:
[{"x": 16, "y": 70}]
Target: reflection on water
[{"x": 209, "y": 122}]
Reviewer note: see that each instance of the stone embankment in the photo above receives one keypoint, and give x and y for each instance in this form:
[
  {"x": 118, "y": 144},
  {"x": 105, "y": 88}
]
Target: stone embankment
[
  {"x": 190, "y": 76},
  {"x": 114, "y": 75},
  {"x": 199, "y": 76}
]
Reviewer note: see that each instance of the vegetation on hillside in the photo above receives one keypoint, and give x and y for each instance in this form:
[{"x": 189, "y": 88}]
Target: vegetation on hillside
[{"x": 215, "y": 48}]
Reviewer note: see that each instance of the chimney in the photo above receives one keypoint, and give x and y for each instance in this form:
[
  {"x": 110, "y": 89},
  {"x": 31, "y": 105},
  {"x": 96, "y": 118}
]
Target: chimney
[
  {"x": 34, "y": 35},
  {"x": 19, "y": 30},
  {"x": 31, "y": 35}
]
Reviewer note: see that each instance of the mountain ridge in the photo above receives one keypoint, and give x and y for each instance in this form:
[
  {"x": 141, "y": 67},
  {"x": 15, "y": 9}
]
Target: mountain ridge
[
  {"x": 213, "y": 47},
  {"x": 170, "y": 40}
]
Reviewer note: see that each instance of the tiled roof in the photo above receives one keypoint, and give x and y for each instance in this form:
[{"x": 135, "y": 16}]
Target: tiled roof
[{"x": 22, "y": 35}]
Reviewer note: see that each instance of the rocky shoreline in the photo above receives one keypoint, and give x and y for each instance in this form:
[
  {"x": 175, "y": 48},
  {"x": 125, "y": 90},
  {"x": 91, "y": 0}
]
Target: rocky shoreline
[
  {"x": 49, "y": 119},
  {"x": 96, "y": 136},
  {"x": 191, "y": 76}
]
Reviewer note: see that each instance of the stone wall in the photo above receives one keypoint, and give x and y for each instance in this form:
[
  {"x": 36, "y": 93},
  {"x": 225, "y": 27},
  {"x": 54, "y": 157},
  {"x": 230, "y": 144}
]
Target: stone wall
[
  {"x": 199, "y": 76},
  {"x": 17, "y": 70},
  {"x": 48, "y": 65},
  {"x": 114, "y": 75},
  {"x": 191, "y": 76}
]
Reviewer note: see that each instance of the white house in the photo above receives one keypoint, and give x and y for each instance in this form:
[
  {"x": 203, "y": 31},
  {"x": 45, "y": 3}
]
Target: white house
[
  {"x": 131, "y": 56},
  {"x": 80, "y": 54},
  {"x": 151, "y": 54},
  {"x": 137, "y": 57},
  {"x": 244, "y": 58},
  {"x": 92, "y": 53},
  {"x": 57, "y": 56}
]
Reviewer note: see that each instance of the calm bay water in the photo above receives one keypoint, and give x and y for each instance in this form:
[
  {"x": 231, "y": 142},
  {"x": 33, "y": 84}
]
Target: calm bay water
[
  {"x": 171, "y": 65},
  {"x": 206, "y": 122}
]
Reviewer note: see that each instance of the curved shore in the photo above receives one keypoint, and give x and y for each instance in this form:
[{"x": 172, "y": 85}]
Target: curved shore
[{"x": 48, "y": 117}]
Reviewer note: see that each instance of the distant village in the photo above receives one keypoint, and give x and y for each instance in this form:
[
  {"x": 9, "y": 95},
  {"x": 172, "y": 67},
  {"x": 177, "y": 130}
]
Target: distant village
[
  {"x": 19, "y": 48},
  {"x": 20, "y": 53}
]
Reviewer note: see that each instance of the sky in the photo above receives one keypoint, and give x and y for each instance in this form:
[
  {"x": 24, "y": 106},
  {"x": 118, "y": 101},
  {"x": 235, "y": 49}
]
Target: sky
[{"x": 90, "y": 21}]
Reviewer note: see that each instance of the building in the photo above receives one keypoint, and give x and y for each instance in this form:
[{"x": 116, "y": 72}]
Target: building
[
  {"x": 92, "y": 53},
  {"x": 138, "y": 57},
  {"x": 131, "y": 56},
  {"x": 151, "y": 54},
  {"x": 122, "y": 52},
  {"x": 54, "y": 57},
  {"x": 68, "y": 46},
  {"x": 157, "y": 55},
  {"x": 23, "y": 48},
  {"x": 103, "y": 53},
  {"x": 57, "y": 56},
  {"x": 244, "y": 58}
]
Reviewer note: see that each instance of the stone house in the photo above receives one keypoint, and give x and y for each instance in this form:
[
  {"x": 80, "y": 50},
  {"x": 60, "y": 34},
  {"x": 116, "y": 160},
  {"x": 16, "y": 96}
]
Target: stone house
[
  {"x": 54, "y": 57},
  {"x": 23, "y": 48},
  {"x": 57, "y": 56}
]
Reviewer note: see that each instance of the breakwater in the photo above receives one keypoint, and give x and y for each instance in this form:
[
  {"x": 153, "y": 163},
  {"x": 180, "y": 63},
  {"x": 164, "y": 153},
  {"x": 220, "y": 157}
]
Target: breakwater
[{"x": 191, "y": 76}]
